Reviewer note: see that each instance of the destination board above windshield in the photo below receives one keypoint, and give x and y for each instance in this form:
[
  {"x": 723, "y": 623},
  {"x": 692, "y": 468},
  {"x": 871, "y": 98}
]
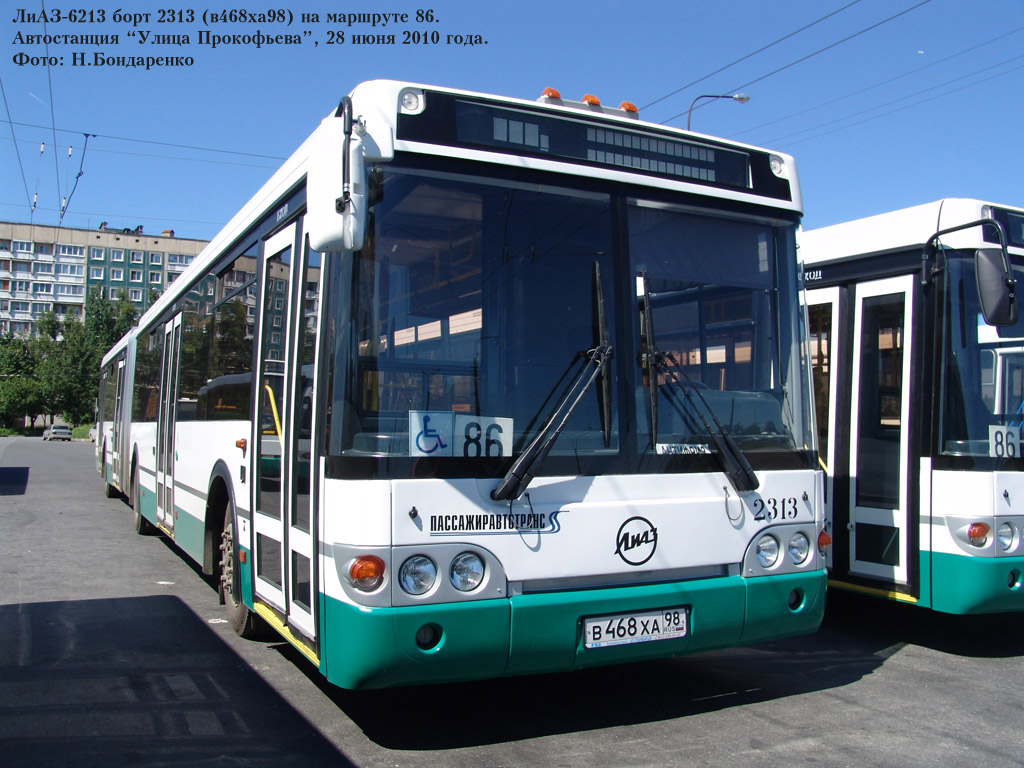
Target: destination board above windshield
[{"x": 590, "y": 140}]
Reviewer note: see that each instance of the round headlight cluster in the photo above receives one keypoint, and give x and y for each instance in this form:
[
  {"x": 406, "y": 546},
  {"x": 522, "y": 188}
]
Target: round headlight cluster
[
  {"x": 768, "y": 549},
  {"x": 418, "y": 573}
]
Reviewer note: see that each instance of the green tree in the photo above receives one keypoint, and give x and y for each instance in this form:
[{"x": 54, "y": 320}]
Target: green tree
[
  {"x": 70, "y": 372},
  {"x": 125, "y": 314},
  {"x": 21, "y": 392},
  {"x": 100, "y": 318},
  {"x": 48, "y": 326}
]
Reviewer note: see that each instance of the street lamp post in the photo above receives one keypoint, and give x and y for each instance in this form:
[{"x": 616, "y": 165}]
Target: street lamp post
[{"x": 742, "y": 98}]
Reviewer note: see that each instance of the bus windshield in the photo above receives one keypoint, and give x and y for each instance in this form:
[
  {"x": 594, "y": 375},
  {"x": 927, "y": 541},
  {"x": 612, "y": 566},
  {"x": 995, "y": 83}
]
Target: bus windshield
[
  {"x": 983, "y": 375},
  {"x": 475, "y": 303}
]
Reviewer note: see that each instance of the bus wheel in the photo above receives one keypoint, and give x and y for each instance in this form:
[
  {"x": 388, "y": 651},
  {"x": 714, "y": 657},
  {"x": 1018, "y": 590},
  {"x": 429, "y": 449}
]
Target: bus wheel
[
  {"x": 142, "y": 526},
  {"x": 242, "y": 620}
]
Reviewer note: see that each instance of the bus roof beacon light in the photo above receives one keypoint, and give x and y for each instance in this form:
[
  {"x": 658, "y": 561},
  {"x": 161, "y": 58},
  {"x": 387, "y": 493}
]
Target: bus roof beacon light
[{"x": 740, "y": 98}]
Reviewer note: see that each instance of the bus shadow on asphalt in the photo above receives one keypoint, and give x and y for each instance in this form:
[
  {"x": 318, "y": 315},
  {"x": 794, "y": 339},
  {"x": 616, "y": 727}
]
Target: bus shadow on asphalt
[
  {"x": 856, "y": 638},
  {"x": 982, "y": 636},
  {"x": 138, "y": 681},
  {"x": 13, "y": 481}
]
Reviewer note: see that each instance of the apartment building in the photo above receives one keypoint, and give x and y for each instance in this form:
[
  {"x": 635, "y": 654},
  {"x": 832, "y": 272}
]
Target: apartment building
[{"x": 45, "y": 267}]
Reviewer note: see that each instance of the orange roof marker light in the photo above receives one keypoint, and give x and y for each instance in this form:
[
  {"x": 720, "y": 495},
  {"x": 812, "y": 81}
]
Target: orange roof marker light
[{"x": 590, "y": 103}]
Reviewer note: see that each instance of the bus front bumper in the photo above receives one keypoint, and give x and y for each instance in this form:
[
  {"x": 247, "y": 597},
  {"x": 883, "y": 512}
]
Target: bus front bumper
[
  {"x": 537, "y": 633},
  {"x": 964, "y": 585}
]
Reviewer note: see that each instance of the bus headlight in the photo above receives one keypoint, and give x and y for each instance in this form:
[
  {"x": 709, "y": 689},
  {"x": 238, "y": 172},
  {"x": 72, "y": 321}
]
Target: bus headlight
[
  {"x": 467, "y": 572},
  {"x": 417, "y": 575},
  {"x": 799, "y": 548},
  {"x": 767, "y": 551},
  {"x": 1005, "y": 536}
]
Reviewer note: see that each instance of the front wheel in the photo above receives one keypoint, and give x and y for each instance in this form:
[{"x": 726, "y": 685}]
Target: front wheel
[
  {"x": 142, "y": 526},
  {"x": 242, "y": 620}
]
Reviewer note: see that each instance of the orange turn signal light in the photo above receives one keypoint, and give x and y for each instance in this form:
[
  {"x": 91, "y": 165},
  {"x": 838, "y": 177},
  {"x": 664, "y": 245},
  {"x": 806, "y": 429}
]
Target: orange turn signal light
[
  {"x": 978, "y": 533},
  {"x": 824, "y": 541},
  {"x": 366, "y": 572}
]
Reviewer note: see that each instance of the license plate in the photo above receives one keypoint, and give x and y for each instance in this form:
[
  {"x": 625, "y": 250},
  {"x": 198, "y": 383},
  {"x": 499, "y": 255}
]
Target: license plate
[{"x": 626, "y": 628}]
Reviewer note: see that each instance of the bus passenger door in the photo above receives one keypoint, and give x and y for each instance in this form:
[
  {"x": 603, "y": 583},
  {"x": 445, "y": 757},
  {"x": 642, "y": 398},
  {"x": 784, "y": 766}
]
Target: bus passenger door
[
  {"x": 118, "y": 429},
  {"x": 165, "y": 446},
  {"x": 824, "y": 337},
  {"x": 879, "y": 504},
  {"x": 283, "y": 542}
]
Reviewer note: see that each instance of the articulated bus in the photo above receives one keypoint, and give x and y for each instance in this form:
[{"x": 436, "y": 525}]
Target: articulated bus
[
  {"x": 917, "y": 351},
  {"x": 479, "y": 386}
]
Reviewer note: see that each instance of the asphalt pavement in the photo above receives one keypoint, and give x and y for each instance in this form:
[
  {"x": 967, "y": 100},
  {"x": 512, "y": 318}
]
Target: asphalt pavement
[{"x": 114, "y": 651}]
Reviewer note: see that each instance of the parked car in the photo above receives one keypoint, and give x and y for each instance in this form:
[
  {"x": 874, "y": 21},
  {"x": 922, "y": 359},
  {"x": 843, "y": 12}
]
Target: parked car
[
  {"x": 92, "y": 434},
  {"x": 57, "y": 432}
]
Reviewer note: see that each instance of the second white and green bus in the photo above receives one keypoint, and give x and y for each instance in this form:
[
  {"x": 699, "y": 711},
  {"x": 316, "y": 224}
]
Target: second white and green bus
[{"x": 917, "y": 350}]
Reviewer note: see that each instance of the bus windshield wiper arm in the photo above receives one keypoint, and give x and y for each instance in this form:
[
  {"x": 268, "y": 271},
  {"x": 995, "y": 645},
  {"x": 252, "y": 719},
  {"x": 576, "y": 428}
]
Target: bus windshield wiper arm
[
  {"x": 522, "y": 471},
  {"x": 735, "y": 464}
]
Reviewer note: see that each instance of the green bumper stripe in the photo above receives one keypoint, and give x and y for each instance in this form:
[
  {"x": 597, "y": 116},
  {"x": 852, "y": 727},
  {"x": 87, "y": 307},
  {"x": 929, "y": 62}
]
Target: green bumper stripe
[
  {"x": 527, "y": 634},
  {"x": 963, "y": 584}
]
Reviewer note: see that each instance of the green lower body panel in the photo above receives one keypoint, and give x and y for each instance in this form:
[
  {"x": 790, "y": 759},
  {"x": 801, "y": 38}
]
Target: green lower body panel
[
  {"x": 963, "y": 584},
  {"x": 534, "y": 633},
  {"x": 189, "y": 534}
]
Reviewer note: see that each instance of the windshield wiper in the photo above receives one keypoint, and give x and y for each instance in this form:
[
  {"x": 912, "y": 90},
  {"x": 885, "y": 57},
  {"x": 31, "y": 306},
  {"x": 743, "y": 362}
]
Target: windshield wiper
[
  {"x": 523, "y": 469},
  {"x": 734, "y": 463}
]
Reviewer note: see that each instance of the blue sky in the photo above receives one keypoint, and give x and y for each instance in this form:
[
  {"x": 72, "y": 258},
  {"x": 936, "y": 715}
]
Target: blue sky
[{"x": 880, "y": 112}]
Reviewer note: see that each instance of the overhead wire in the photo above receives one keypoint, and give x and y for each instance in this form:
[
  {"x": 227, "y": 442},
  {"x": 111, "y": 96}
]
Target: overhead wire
[
  {"x": 879, "y": 84},
  {"x": 750, "y": 55},
  {"x": 802, "y": 59},
  {"x": 81, "y": 166},
  {"x": 180, "y": 158},
  {"x": 158, "y": 143},
  {"x": 907, "y": 105},
  {"x": 49, "y": 83},
  {"x": 21, "y": 166}
]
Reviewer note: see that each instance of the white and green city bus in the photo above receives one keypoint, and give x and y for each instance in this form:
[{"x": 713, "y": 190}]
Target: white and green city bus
[
  {"x": 478, "y": 386},
  {"x": 917, "y": 352}
]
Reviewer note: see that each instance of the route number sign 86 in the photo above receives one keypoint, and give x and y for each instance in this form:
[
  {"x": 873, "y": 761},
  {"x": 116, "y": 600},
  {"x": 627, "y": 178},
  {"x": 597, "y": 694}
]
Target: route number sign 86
[{"x": 1004, "y": 442}]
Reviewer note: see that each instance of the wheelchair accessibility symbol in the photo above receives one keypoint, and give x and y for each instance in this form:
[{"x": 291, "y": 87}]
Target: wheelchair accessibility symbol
[
  {"x": 428, "y": 440},
  {"x": 430, "y": 433}
]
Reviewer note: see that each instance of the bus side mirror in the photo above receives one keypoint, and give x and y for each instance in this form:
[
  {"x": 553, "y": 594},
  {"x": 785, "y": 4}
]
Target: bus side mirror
[
  {"x": 335, "y": 213},
  {"x": 996, "y": 287}
]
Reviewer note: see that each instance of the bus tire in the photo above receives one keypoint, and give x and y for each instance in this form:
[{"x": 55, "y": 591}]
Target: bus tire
[
  {"x": 242, "y": 619},
  {"x": 142, "y": 526}
]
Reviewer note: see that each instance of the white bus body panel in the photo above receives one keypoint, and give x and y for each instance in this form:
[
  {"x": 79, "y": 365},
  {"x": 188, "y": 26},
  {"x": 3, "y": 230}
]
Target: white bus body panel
[
  {"x": 701, "y": 522},
  {"x": 962, "y": 498}
]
